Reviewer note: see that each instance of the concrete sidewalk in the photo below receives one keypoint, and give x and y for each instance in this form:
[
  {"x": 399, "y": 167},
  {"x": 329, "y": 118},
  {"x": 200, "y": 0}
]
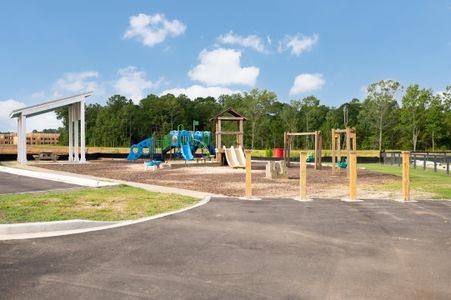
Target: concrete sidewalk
[
  {"x": 88, "y": 178},
  {"x": 39, "y": 173},
  {"x": 13, "y": 184}
]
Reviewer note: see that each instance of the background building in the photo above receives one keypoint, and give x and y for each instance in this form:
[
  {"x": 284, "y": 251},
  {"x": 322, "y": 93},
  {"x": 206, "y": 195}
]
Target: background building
[{"x": 32, "y": 138}]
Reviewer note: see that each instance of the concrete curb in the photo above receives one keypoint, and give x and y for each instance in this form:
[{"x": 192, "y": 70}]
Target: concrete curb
[
  {"x": 57, "y": 177},
  {"x": 39, "y": 227},
  {"x": 53, "y": 230}
]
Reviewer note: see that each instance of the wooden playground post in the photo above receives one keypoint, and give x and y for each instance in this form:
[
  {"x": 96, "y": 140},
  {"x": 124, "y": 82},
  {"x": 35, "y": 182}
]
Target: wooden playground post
[
  {"x": 352, "y": 165},
  {"x": 334, "y": 143},
  {"x": 405, "y": 175},
  {"x": 348, "y": 146},
  {"x": 303, "y": 176},
  {"x": 248, "y": 174}
]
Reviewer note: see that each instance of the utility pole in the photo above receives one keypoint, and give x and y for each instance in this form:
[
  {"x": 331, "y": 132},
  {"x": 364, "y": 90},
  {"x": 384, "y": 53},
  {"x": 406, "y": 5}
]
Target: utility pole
[{"x": 345, "y": 116}]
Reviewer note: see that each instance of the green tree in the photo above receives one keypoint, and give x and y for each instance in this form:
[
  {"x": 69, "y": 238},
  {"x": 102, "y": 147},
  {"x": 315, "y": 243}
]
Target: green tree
[
  {"x": 413, "y": 111},
  {"x": 379, "y": 106},
  {"x": 257, "y": 104}
]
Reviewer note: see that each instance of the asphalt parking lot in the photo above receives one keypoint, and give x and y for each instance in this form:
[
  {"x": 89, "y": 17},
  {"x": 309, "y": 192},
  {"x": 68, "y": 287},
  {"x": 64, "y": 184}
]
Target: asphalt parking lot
[
  {"x": 235, "y": 249},
  {"x": 11, "y": 183}
]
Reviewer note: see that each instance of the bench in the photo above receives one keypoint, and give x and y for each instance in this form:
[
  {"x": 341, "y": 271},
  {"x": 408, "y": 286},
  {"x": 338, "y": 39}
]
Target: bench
[
  {"x": 201, "y": 159},
  {"x": 45, "y": 156}
]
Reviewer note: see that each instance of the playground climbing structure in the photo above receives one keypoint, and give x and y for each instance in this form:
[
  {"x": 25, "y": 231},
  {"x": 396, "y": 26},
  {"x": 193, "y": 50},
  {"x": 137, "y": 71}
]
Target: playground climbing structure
[{"x": 178, "y": 143}]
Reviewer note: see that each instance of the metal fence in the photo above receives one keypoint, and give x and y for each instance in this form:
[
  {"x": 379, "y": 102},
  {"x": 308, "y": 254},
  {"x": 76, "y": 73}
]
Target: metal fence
[{"x": 432, "y": 160}]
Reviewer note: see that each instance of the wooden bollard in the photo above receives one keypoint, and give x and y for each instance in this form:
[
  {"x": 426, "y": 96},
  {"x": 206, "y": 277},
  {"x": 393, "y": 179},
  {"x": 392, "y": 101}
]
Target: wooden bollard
[
  {"x": 303, "y": 176},
  {"x": 248, "y": 173},
  {"x": 352, "y": 165},
  {"x": 406, "y": 176}
]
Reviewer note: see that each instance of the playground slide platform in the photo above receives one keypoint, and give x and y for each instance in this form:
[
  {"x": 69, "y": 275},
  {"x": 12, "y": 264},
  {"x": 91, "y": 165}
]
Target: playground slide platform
[{"x": 234, "y": 157}]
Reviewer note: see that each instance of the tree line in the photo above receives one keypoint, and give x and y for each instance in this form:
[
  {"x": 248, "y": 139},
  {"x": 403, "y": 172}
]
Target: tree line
[{"x": 389, "y": 117}]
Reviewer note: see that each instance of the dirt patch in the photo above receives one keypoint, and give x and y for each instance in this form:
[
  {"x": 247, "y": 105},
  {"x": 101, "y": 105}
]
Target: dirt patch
[{"x": 230, "y": 182}]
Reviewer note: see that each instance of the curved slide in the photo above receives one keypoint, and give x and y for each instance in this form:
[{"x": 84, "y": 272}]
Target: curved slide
[
  {"x": 186, "y": 152},
  {"x": 234, "y": 157},
  {"x": 240, "y": 156}
]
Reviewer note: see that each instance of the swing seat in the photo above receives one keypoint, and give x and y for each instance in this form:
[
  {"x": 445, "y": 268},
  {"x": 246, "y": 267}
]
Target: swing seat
[{"x": 342, "y": 164}]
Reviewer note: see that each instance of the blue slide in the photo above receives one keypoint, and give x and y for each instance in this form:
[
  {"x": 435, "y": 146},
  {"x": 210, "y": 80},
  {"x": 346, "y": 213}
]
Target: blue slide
[
  {"x": 186, "y": 152},
  {"x": 184, "y": 140}
]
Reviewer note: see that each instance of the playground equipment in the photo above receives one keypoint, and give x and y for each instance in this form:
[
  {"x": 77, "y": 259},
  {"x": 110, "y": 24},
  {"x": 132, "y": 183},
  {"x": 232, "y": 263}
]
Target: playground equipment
[
  {"x": 228, "y": 115},
  {"x": 351, "y": 145},
  {"x": 177, "y": 144},
  {"x": 138, "y": 150},
  {"x": 316, "y": 156},
  {"x": 235, "y": 157}
]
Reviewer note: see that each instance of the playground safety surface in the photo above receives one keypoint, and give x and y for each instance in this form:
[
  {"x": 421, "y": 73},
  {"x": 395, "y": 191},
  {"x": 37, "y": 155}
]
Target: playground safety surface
[
  {"x": 230, "y": 182},
  {"x": 238, "y": 249}
]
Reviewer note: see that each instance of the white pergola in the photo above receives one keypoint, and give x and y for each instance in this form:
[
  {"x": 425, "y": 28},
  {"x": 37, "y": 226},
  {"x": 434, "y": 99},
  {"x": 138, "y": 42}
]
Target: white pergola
[{"x": 76, "y": 120}]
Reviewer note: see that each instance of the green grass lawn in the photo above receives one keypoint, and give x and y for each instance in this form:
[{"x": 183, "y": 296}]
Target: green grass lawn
[
  {"x": 325, "y": 152},
  {"x": 420, "y": 180},
  {"x": 100, "y": 204}
]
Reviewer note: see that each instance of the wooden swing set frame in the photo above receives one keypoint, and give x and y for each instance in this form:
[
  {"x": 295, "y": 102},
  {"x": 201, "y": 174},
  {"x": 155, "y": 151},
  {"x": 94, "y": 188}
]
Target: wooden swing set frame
[
  {"x": 287, "y": 136},
  {"x": 351, "y": 144}
]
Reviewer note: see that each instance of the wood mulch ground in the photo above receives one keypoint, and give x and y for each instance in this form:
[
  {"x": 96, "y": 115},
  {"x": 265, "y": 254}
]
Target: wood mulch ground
[{"x": 227, "y": 181}]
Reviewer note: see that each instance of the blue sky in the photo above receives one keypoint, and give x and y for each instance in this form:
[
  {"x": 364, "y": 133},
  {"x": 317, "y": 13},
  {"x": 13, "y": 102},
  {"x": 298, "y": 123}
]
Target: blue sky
[{"x": 332, "y": 49}]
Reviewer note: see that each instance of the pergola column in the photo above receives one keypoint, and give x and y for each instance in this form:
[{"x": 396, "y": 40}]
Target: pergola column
[
  {"x": 76, "y": 113},
  {"x": 71, "y": 134},
  {"x": 23, "y": 139},
  {"x": 82, "y": 132},
  {"x": 19, "y": 141}
]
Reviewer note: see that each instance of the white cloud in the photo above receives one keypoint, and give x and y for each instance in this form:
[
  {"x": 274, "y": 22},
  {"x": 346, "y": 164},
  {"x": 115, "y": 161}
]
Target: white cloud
[
  {"x": 75, "y": 82},
  {"x": 153, "y": 29},
  {"x": 298, "y": 44},
  {"x": 251, "y": 41},
  {"x": 268, "y": 39},
  {"x": 222, "y": 67},
  {"x": 40, "y": 122},
  {"x": 133, "y": 83},
  {"x": 307, "y": 83},
  {"x": 200, "y": 91}
]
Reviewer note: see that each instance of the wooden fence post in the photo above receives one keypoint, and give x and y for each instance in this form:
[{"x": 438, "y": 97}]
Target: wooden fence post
[
  {"x": 447, "y": 164},
  {"x": 405, "y": 175},
  {"x": 352, "y": 165},
  {"x": 248, "y": 173}
]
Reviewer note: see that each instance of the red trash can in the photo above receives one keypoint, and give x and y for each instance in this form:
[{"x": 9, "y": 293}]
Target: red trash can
[{"x": 277, "y": 153}]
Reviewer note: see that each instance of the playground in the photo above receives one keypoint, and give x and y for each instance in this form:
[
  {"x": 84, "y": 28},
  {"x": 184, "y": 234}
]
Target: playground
[
  {"x": 193, "y": 160},
  {"x": 228, "y": 181}
]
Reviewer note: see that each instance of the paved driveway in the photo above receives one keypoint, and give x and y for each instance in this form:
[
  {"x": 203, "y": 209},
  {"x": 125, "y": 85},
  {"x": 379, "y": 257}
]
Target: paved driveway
[
  {"x": 11, "y": 183},
  {"x": 232, "y": 249}
]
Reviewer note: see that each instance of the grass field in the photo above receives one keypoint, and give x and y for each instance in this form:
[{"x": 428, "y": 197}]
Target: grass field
[
  {"x": 295, "y": 153},
  {"x": 420, "y": 180},
  {"x": 101, "y": 204}
]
